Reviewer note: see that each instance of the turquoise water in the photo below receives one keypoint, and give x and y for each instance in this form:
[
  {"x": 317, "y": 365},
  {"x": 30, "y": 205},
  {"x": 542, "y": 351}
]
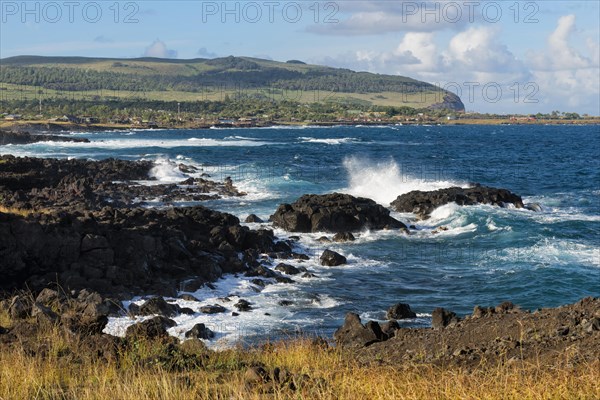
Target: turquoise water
[{"x": 487, "y": 255}]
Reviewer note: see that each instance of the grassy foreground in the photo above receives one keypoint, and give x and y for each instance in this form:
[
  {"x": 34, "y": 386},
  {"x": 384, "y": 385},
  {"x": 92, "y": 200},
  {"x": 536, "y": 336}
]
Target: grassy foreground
[{"x": 62, "y": 369}]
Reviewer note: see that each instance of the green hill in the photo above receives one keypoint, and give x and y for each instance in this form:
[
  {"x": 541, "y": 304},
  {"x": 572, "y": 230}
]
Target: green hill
[{"x": 154, "y": 79}]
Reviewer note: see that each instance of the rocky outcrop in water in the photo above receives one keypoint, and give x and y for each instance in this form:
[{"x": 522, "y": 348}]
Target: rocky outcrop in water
[
  {"x": 82, "y": 185},
  {"x": 10, "y": 137},
  {"x": 335, "y": 212},
  {"x": 423, "y": 203}
]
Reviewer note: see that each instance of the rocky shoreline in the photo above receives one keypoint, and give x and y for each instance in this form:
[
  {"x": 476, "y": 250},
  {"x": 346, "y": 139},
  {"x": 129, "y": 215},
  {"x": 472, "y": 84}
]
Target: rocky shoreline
[
  {"x": 501, "y": 335},
  {"x": 24, "y": 137},
  {"x": 77, "y": 235}
]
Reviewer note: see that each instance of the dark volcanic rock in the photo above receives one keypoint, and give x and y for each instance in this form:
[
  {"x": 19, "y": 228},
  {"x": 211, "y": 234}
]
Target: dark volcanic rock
[
  {"x": 150, "y": 329},
  {"x": 441, "y": 318},
  {"x": 200, "y": 331},
  {"x": 332, "y": 259},
  {"x": 69, "y": 223},
  {"x": 214, "y": 309},
  {"x": 343, "y": 237},
  {"x": 400, "y": 311},
  {"x": 287, "y": 268},
  {"x": 333, "y": 212},
  {"x": 158, "y": 306},
  {"x": 243, "y": 305},
  {"x": 124, "y": 251},
  {"x": 253, "y": 218},
  {"x": 423, "y": 203},
  {"x": 389, "y": 328},
  {"x": 19, "y": 307},
  {"x": 7, "y": 137},
  {"x": 354, "y": 334}
]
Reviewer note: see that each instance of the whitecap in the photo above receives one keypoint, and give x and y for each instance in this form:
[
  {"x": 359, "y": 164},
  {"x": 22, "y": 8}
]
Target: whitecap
[
  {"x": 384, "y": 181},
  {"x": 166, "y": 171},
  {"x": 331, "y": 141}
]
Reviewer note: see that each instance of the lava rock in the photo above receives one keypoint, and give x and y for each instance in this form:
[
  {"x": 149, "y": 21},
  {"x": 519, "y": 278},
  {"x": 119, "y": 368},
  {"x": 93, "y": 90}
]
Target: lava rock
[
  {"x": 422, "y": 203},
  {"x": 243, "y": 305},
  {"x": 343, "y": 237},
  {"x": 334, "y": 212},
  {"x": 212, "y": 309},
  {"x": 253, "y": 218},
  {"x": 331, "y": 258},
  {"x": 400, "y": 311},
  {"x": 287, "y": 268},
  {"x": 441, "y": 318},
  {"x": 150, "y": 329},
  {"x": 200, "y": 331},
  {"x": 354, "y": 334},
  {"x": 158, "y": 306}
]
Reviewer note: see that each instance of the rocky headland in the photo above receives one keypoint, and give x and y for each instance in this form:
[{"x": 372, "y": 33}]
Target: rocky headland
[{"x": 24, "y": 137}]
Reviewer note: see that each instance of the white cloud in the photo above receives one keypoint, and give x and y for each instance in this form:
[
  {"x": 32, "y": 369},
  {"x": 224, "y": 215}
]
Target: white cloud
[
  {"x": 421, "y": 47},
  {"x": 559, "y": 54},
  {"x": 377, "y": 17},
  {"x": 159, "y": 49},
  {"x": 564, "y": 75}
]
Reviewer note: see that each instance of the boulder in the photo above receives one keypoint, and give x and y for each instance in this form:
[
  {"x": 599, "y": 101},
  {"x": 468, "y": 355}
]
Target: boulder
[
  {"x": 212, "y": 309},
  {"x": 400, "y": 311},
  {"x": 150, "y": 329},
  {"x": 334, "y": 212},
  {"x": 89, "y": 313},
  {"x": 19, "y": 307},
  {"x": 354, "y": 334},
  {"x": 253, "y": 218},
  {"x": 287, "y": 269},
  {"x": 389, "y": 328},
  {"x": 441, "y": 318},
  {"x": 422, "y": 203},
  {"x": 43, "y": 314},
  {"x": 188, "y": 297},
  {"x": 343, "y": 237},
  {"x": 243, "y": 305},
  {"x": 331, "y": 258},
  {"x": 158, "y": 306},
  {"x": 200, "y": 331},
  {"x": 51, "y": 298}
]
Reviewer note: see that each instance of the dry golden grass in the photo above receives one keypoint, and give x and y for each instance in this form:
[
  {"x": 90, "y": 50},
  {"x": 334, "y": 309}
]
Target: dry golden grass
[
  {"x": 61, "y": 374},
  {"x": 22, "y": 212}
]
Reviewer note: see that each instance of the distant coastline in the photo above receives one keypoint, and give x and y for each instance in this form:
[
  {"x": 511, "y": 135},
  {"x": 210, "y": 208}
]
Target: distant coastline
[{"x": 34, "y": 126}]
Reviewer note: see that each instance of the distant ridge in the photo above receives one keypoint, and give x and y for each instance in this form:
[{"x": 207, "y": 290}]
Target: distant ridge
[{"x": 309, "y": 83}]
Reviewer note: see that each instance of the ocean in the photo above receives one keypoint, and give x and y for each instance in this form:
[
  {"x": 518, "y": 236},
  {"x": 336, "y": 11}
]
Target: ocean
[{"x": 487, "y": 255}]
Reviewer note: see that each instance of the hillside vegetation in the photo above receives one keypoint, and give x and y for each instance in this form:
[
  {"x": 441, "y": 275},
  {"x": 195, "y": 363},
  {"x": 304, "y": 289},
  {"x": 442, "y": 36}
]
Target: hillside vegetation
[{"x": 98, "y": 79}]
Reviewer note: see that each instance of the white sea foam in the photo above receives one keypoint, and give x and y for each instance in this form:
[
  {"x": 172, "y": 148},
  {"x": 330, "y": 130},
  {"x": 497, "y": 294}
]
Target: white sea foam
[
  {"x": 384, "y": 181},
  {"x": 166, "y": 171},
  {"x": 331, "y": 141},
  {"x": 139, "y": 143},
  {"x": 267, "y": 315},
  {"x": 550, "y": 251}
]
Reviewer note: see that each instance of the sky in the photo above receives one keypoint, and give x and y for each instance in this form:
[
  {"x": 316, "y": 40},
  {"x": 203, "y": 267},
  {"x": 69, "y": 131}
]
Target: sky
[{"x": 498, "y": 56}]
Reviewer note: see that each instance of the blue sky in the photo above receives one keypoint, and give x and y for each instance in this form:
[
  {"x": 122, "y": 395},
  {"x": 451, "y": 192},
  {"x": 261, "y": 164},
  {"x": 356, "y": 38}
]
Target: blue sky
[{"x": 500, "y": 56}]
